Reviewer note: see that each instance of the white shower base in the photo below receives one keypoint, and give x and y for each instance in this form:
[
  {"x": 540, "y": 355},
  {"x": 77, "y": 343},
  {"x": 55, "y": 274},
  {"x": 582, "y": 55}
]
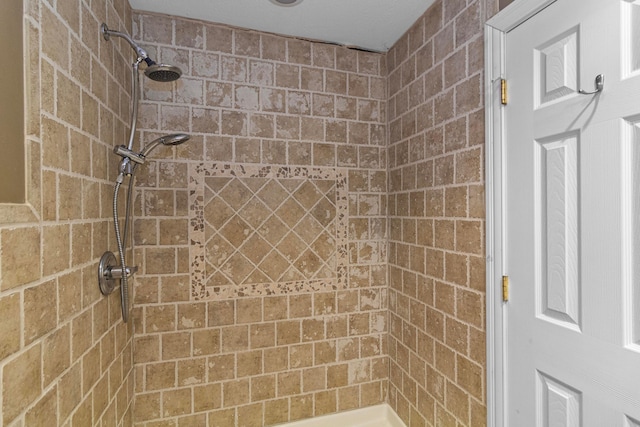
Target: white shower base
[{"x": 373, "y": 416}]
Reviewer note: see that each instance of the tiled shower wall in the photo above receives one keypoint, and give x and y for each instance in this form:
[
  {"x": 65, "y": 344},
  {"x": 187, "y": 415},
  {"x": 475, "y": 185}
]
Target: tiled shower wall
[
  {"x": 263, "y": 292},
  {"x": 65, "y": 354},
  {"x": 436, "y": 214},
  {"x": 265, "y": 112}
]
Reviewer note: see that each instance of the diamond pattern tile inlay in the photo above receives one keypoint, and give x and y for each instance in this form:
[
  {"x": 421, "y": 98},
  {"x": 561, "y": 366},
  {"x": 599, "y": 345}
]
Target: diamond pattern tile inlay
[{"x": 265, "y": 230}]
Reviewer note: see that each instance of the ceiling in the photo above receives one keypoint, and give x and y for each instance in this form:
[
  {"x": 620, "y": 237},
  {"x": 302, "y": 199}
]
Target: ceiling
[{"x": 367, "y": 24}]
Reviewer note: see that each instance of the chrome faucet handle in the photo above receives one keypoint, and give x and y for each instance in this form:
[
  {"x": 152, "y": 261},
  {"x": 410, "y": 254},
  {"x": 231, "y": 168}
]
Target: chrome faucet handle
[
  {"x": 116, "y": 272},
  {"x": 109, "y": 272}
]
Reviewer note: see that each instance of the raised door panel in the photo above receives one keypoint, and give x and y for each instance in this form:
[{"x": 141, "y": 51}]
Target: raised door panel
[
  {"x": 558, "y": 405},
  {"x": 557, "y": 234}
]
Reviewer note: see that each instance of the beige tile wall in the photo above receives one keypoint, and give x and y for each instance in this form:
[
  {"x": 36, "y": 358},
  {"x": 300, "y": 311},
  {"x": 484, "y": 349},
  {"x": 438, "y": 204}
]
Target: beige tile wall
[
  {"x": 65, "y": 355},
  {"x": 283, "y": 350},
  {"x": 436, "y": 213},
  {"x": 286, "y": 172},
  {"x": 259, "y": 356}
]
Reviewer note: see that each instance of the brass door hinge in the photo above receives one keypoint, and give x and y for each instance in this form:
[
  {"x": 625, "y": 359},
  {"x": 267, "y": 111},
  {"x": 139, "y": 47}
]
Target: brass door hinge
[
  {"x": 503, "y": 91},
  {"x": 505, "y": 288}
]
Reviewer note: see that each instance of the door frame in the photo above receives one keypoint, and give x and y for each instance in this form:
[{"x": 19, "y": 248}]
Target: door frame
[{"x": 495, "y": 33}]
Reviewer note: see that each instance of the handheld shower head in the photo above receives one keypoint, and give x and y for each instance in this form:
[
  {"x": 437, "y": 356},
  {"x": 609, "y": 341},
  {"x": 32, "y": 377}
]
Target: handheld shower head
[
  {"x": 157, "y": 72},
  {"x": 173, "y": 139}
]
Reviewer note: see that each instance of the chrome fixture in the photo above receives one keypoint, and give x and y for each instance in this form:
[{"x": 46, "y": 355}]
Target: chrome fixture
[
  {"x": 141, "y": 157},
  {"x": 163, "y": 72},
  {"x": 599, "y": 82},
  {"x": 155, "y": 71},
  {"x": 168, "y": 140},
  {"x": 108, "y": 270},
  {"x": 107, "y": 33}
]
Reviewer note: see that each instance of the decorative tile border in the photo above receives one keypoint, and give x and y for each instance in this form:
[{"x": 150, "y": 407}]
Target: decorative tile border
[{"x": 201, "y": 286}]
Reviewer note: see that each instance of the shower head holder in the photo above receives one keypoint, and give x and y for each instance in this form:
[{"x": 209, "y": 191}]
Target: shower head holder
[{"x": 125, "y": 153}]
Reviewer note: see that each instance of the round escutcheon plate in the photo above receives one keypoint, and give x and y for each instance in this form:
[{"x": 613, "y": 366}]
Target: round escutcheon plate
[{"x": 105, "y": 281}]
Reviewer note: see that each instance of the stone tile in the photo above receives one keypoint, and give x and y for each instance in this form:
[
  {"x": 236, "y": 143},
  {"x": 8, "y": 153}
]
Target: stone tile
[
  {"x": 21, "y": 384},
  {"x": 40, "y": 310},
  {"x": 10, "y": 324},
  {"x": 276, "y": 411},
  {"x": 246, "y": 43},
  {"x": 299, "y": 51},
  {"x": 189, "y": 34},
  {"x": 55, "y": 355},
  {"x": 219, "y": 38}
]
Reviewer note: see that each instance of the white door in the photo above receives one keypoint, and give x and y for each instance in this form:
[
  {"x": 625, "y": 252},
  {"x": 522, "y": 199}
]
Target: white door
[{"x": 572, "y": 217}]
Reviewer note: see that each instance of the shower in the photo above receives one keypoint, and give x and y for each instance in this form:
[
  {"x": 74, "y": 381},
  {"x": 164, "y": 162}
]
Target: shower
[
  {"x": 108, "y": 269},
  {"x": 155, "y": 71}
]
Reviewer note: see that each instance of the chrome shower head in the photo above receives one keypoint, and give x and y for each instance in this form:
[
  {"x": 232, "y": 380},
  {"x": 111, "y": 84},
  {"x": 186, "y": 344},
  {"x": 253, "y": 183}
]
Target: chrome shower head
[
  {"x": 162, "y": 72},
  {"x": 173, "y": 139},
  {"x": 157, "y": 72}
]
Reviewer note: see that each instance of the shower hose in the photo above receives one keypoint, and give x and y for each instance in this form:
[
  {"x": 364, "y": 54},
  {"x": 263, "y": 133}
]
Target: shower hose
[{"x": 122, "y": 242}]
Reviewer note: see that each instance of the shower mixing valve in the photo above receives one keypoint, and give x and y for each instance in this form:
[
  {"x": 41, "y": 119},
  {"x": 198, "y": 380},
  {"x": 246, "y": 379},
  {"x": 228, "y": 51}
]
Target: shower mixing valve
[{"x": 109, "y": 271}]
